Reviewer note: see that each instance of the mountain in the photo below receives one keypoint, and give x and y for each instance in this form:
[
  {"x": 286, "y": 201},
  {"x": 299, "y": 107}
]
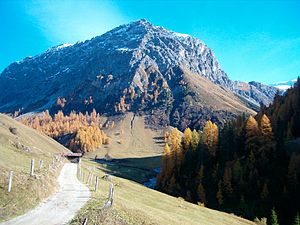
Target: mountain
[
  {"x": 255, "y": 92},
  {"x": 174, "y": 78},
  {"x": 284, "y": 85}
]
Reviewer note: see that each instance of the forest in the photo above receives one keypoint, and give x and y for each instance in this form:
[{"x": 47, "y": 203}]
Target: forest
[
  {"x": 78, "y": 132},
  {"x": 249, "y": 167}
]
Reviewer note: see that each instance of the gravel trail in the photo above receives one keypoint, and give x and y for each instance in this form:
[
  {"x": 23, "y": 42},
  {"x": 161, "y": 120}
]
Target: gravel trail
[{"x": 61, "y": 207}]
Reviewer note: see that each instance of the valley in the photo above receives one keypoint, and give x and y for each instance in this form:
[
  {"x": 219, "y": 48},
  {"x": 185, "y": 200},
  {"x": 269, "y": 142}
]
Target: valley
[
  {"x": 142, "y": 125},
  {"x": 137, "y": 204},
  {"x": 133, "y": 203}
]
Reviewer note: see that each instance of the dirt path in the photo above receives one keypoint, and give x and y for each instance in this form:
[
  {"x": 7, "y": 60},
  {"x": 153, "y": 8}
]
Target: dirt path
[{"x": 62, "y": 206}]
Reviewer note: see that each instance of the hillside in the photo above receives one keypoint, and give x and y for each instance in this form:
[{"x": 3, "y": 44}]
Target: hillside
[
  {"x": 129, "y": 208},
  {"x": 18, "y": 145},
  {"x": 134, "y": 150},
  {"x": 136, "y": 204},
  {"x": 136, "y": 67},
  {"x": 193, "y": 109},
  {"x": 131, "y": 137},
  {"x": 248, "y": 167}
]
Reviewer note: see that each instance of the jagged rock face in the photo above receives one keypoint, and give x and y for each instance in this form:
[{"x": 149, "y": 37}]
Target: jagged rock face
[
  {"x": 255, "y": 92},
  {"x": 134, "y": 67}
]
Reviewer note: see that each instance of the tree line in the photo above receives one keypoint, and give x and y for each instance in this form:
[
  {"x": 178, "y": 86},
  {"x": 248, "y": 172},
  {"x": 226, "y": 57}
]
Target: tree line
[
  {"x": 80, "y": 132},
  {"x": 249, "y": 167}
]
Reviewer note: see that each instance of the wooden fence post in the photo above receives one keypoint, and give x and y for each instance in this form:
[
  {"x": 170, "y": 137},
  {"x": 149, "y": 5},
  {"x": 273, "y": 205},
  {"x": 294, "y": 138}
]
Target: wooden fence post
[
  {"x": 41, "y": 164},
  {"x": 111, "y": 191},
  {"x": 110, "y": 200},
  {"x": 32, "y": 167},
  {"x": 88, "y": 178},
  {"x": 91, "y": 181},
  {"x": 85, "y": 221},
  {"x": 10, "y": 175},
  {"x": 96, "y": 183}
]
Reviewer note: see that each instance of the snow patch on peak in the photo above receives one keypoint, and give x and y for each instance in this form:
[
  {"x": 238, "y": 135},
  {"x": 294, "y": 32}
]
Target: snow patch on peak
[
  {"x": 181, "y": 35},
  {"x": 124, "y": 49},
  {"x": 141, "y": 21},
  {"x": 58, "y": 47},
  {"x": 63, "y": 46}
]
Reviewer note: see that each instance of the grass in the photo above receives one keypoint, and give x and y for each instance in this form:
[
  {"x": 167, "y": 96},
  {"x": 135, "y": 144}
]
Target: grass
[
  {"x": 136, "y": 169},
  {"x": 17, "y": 148},
  {"x": 135, "y": 159},
  {"x": 136, "y": 204},
  {"x": 133, "y": 203},
  {"x": 209, "y": 94}
]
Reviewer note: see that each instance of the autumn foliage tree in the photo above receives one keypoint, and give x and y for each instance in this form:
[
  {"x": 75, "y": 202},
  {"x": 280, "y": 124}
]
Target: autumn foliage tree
[
  {"x": 210, "y": 137},
  {"x": 252, "y": 135},
  {"x": 166, "y": 168},
  {"x": 176, "y": 147},
  {"x": 88, "y": 138},
  {"x": 248, "y": 167},
  {"x": 84, "y": 129},
  {"x": 187, "y": 138},
  {"x": 266, "y": 139}
]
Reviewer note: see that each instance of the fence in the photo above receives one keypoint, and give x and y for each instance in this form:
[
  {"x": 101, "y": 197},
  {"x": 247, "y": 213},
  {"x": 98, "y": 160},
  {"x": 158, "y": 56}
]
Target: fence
[
  {"x": 88, "y": 181},
  {"x": 56, "y": 160}
]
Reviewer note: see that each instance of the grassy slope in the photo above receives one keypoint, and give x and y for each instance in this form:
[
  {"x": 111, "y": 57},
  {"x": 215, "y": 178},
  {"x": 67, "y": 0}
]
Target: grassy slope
[
  {"x": 137, "y": 149},
  {"x": 138, "y": 153},
  {"x": 136, "y": 204},
  {"x": 130, "y": 138},
  {"x": 27, "y": 191},
  {"x": 210, "y": 94}
]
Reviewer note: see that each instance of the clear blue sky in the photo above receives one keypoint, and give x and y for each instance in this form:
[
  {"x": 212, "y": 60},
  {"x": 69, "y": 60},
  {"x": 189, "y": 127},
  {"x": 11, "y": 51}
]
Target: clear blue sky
[{"x": 253, "y": 40}]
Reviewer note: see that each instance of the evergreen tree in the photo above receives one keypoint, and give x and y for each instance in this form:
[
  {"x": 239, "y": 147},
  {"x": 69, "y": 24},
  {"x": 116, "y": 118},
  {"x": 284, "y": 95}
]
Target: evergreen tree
[
  {"x": 201, "y": 193},
  {"x": 243, "y": 207},
  {"x": 195, "y": 140},
  {"x": 200, "y": 174},
  {"x": 249, "y": 167},
  {"x": 237, "y": 171},
  {"x": 274, "y": 219},
  {"x": 227, "y": 188},
  {"x": 227, "y": 142},
  {"x": 265, "y": 192},
  {"x": 297, "y": 220},
  {"x": 219, "y": 197}
]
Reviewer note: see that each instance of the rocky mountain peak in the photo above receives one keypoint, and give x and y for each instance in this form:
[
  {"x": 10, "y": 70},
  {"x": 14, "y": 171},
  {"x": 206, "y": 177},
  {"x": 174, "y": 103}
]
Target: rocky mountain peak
[{"x": 133, "y": 67}]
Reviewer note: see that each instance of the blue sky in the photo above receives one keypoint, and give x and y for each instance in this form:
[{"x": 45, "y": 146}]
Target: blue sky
[{"x": 252, "y": 40}]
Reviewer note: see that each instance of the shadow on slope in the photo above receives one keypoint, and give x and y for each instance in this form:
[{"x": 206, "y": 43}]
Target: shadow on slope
[{"x": 139, "y": 170}]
